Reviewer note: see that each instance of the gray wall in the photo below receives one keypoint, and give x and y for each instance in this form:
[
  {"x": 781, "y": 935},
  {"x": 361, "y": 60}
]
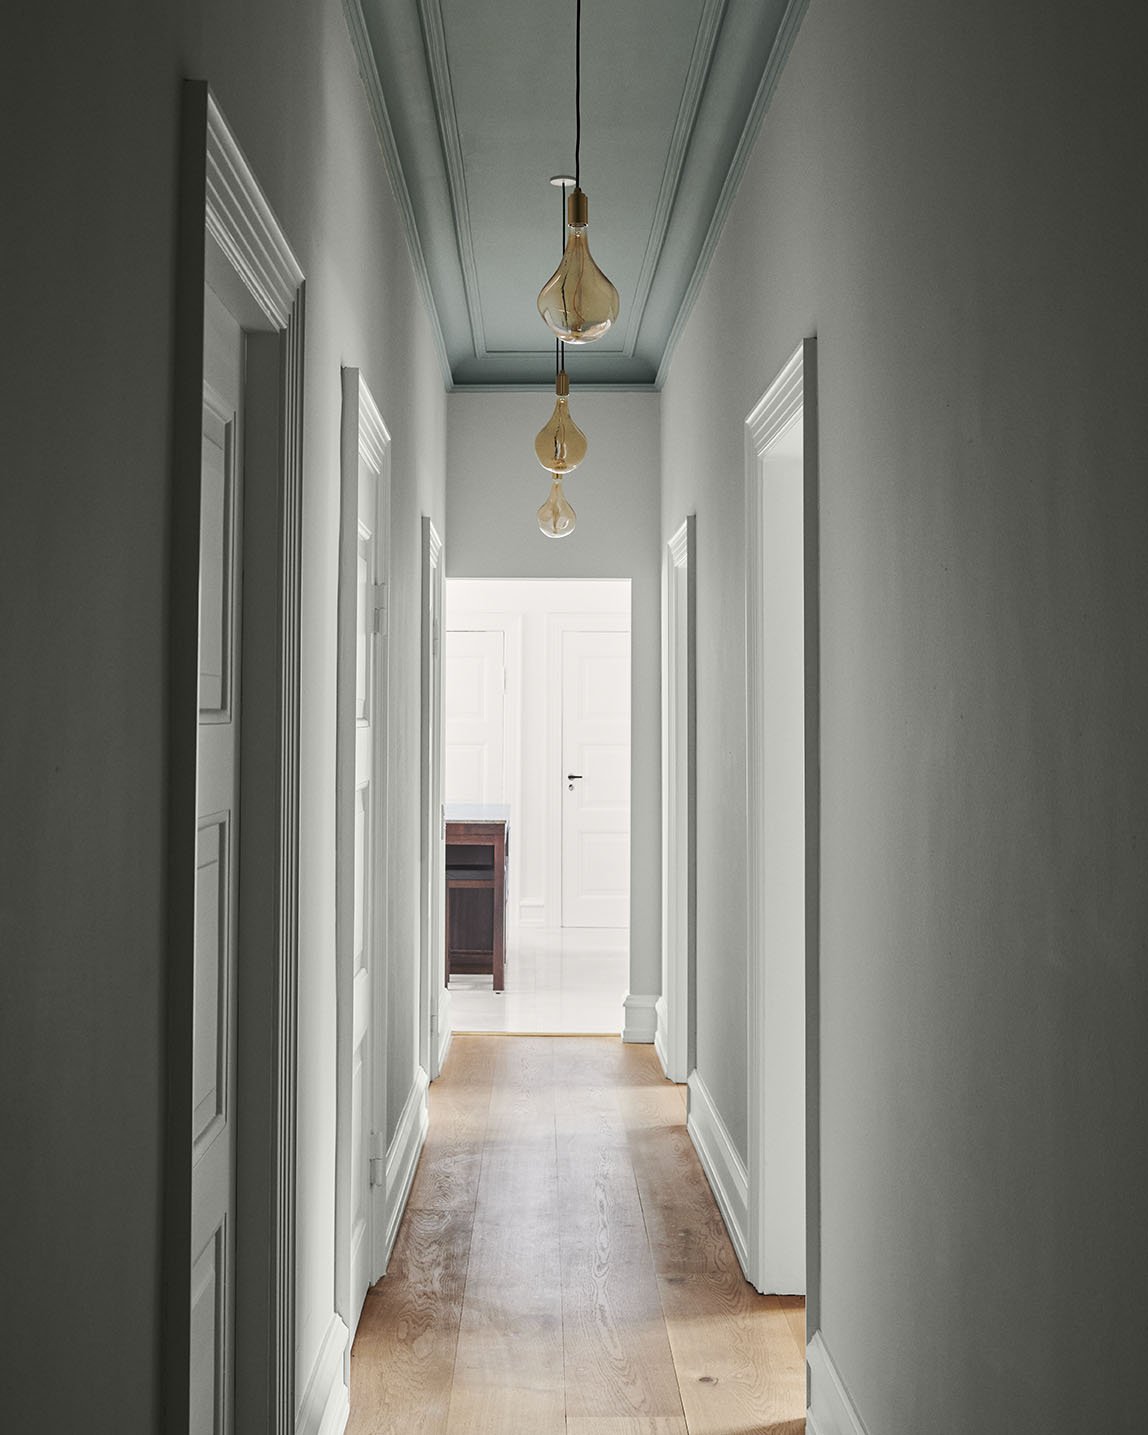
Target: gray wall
[
  {"x": 494, "y": 489},
  {"x": 946, "y": 196},
  {"x": 90, "y": 141}
]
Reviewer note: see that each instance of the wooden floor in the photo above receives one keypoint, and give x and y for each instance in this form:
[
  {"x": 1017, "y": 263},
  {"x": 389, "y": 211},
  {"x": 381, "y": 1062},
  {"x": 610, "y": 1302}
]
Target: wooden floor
[{"x": 562, "y": 1268}]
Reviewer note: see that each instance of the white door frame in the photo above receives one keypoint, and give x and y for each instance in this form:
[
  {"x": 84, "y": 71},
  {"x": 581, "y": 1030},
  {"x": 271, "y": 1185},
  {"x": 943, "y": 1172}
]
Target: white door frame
[
  {"x": 791, "y": 398},
  {"x": 229, "y": 238},
  {"x": 365, "y": 442},
  {"x": 676, "y": 1007},
  {"x": 434, "y": 1023}
]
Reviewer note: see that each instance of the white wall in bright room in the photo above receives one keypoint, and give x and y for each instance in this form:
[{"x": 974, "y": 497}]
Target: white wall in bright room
[{"x": 522, "y": 611}]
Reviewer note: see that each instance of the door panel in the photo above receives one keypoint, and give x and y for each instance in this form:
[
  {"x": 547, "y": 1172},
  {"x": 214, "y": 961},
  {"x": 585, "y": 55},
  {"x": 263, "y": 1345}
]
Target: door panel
[
  {"x": 209, "y": 1330},
  {"x": 210, "y": 1067},
  {"x": 474, "y": 696},
  {"x": 217, "y": 878},
  {"x": 367, "y": 956},
  {"x": 595, "y": 779}
]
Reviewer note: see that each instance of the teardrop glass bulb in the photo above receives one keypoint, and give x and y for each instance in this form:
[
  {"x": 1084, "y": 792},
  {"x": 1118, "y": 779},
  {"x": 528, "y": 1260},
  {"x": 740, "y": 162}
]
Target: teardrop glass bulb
[
  {"x": 556, "y": 517},
  {"x": 561, "y": 444},
  {"x": 578, "y": 302}
]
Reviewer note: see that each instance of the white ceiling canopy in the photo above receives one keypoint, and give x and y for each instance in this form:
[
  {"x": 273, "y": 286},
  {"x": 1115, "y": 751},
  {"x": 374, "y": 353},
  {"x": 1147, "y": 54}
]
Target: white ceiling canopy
[{"x": 474, "y": 103}]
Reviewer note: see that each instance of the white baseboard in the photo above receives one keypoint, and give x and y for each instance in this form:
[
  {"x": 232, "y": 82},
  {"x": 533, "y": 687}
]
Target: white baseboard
[
  {"x": 445, "y": 1029},
  {"x": 660, "y": 1036},
  {"x": 724, "y": 1168},
  {"x": 831, "y": 1409},
  {"x": 532, "y": 914},
  {"x": 641, "y": 1019},
  {"x": 403, "y": 1156},
  {"x": 444, "y": 1040},
  {"x": 326, "y": 1405}
]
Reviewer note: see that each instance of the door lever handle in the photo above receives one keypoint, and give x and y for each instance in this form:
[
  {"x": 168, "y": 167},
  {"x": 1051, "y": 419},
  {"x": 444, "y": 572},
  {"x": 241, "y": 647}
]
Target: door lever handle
[{"x": 573, "y": 777}]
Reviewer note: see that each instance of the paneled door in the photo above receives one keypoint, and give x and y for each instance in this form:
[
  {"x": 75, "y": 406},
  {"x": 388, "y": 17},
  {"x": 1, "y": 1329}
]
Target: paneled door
[
  {"x": 367, "y": 964},
  {"x": 595, "y": 779},
  {"x": 217, "y": 879},
  {"x": 474, "y": 685}
]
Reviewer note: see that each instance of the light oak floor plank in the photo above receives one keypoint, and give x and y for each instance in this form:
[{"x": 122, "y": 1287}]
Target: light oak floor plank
[
  {"x": 562, "y": 1268},
  {"x": 617, "y": 1355},
  {"x": 402, "y": 1361},
  {"x": 448, "y": 1170},
  {"x": 625, "y": 1425}
]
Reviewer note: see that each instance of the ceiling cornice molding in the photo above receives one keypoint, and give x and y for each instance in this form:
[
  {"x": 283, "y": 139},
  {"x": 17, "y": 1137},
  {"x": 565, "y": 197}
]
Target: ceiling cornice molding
[
  {"x": 705, "y": 43},
  {"x": 438, "y": 71},
  {"x": 539, "y": 388},
  {"x": 372, "y": 85},
  {"x": 779, "y": 53}
]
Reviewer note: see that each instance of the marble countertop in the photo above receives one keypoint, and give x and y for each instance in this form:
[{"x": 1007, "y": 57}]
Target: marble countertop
[{"x": 477, "y": 812}]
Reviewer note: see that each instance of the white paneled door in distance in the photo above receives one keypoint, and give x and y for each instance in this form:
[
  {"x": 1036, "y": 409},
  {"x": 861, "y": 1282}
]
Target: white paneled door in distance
[
  {"x": 475, "y": 681},
  {"x": 596, "y": 779}
]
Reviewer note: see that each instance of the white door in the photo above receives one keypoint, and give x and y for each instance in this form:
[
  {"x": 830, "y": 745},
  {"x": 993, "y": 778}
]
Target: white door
[
  {"x": 474, "y": 687},
  {"x": 675, "y": 1039},
  {"x": 595, "y": 779},
  {"x": 367, "y": 960},
  {"x": 434, "y": 997},
  {"x": 217, "y": 880}
]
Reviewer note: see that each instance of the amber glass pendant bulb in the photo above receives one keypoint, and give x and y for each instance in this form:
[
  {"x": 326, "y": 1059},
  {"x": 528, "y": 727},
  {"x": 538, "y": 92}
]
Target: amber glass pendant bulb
[
  {"x": 556, "y": 517},
  {"x": 561, "y": 444},
  {"x": 578, "y": 302}
]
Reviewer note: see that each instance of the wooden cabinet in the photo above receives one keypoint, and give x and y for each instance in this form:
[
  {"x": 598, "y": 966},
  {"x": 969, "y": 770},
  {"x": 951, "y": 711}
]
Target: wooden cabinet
[{"x": 477, "y": 839}]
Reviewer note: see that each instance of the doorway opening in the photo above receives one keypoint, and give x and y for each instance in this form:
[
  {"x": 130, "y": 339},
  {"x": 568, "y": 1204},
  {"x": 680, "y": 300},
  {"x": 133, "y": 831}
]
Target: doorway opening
[
  {"x": 536, "y": 732},
  {"x": 234, "y": 822}
]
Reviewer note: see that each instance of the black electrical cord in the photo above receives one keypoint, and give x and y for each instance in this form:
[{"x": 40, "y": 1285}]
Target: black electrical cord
[
  {"x": 559, "y": 346},
  {"x": 578, "y": 94}
]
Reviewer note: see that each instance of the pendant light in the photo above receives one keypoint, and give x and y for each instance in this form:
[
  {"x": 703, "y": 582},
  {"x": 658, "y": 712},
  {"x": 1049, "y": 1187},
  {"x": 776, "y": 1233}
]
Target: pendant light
[
  {"x": 560, "y": 444},
  {"x": 556, "y": 518},
  {"x": 578, "y": 302}
]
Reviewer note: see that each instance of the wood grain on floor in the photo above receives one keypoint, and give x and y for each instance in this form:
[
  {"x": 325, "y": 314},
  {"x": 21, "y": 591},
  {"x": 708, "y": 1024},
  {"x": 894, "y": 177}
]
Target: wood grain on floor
[{"x": 562, "y": 1268}]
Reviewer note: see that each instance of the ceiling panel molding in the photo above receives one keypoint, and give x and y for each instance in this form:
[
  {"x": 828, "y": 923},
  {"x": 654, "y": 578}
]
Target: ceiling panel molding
[
  {"x": 438, "y": 68},
  {"x": 709, "y": 28},
  {"x": 462, "y": 99},
  {"x": 372, "y": 85},
  {"x": 786, "y": 34}
]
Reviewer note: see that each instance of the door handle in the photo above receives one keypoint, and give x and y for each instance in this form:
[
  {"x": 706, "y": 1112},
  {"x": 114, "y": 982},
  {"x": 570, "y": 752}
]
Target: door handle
[{"x": 572, "y": 778}]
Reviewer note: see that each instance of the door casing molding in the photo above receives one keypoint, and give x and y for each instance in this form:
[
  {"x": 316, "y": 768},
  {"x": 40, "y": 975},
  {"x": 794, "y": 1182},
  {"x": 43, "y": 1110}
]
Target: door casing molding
[
  {"x": 434, "y": 1014},
  {"x": 364, "y": 439},
  {"x": 229, "y": 238},
  {"x": 676, "y": 1039},
  {"x": 791, "y": 398}
]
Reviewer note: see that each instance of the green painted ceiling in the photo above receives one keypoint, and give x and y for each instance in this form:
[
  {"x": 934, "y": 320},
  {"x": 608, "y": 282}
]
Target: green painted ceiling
[{"x": 474, "y": 103}]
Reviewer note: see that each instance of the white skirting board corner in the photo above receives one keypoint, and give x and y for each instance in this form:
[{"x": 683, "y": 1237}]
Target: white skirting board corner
[
  {"x": 831, "y": 1409},
  {"x": 724, "y": 1168},
  {"x": 445, "y": 1029},
  {"x": 403, "y": 1156},
  {"x": 532, "y": 914},
  {"x": 659, "y": 1036},
  {"x": 326, "y": 1405},
  {"x": 640, "y": 1024},
  {"x": 445, "y": 1037}
]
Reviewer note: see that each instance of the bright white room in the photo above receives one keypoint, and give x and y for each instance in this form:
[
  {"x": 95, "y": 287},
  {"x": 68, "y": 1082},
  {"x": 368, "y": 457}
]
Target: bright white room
[{"x": 536, "y": 700}]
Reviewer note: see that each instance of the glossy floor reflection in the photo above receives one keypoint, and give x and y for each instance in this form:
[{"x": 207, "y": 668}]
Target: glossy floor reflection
[{"x": 558, "y": 980}]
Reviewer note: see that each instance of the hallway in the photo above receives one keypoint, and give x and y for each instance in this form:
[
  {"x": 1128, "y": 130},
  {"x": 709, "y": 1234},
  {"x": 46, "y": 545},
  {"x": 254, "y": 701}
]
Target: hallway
[{"x": 562, "y": 1266}]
